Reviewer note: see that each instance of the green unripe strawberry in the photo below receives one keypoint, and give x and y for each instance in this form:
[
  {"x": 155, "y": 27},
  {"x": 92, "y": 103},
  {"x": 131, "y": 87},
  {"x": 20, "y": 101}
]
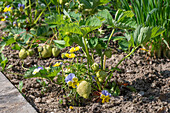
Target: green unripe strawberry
[
  {"x": 47, "y": 51},
  {"x": 22, "y": 54},
  {"x": 99, "y": 46},
  {"x": 63, "y": 55},
  {"x": 84, "y": 89},
  {"x": 44, "y": 53},
  {"x": 101, "y": 75},
  {"x": 40, "y": 48},
  {"x": 108, "y": 53},
  {"x": 30, "y": 52},
  {"x": 95, "y": 66},
  {"x": 49, "y": 48},
  {"x": 55, "y": 51}
]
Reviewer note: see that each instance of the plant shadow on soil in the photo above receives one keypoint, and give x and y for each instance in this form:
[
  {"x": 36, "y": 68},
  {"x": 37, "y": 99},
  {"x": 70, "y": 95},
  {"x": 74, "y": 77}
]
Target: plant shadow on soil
[{"x": 150, "y": 83}]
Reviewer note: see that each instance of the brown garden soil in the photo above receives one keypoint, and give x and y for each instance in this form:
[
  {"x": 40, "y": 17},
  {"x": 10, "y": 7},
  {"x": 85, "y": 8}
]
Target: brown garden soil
[{"x": 150, "y": 77}]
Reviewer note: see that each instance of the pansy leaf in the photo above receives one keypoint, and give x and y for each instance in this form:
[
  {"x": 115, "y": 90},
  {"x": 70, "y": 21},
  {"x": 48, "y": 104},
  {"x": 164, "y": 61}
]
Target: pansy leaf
[{"x": 53, "y": 74}]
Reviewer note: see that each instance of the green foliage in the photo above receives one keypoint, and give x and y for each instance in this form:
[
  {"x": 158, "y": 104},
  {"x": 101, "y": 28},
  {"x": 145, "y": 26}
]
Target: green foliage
[
  {"x": 20, "y": 86},
  {"x": 47, "y": 28},
  {"x": 152, "y": 13},
  {"x": 3, "y": 59},
  {"x": 55, "y": 19},
  {"x": 92, "y": 5},
  {"x": 59, "y": 43},
  {"x": 143, "y": 34},
  {"x": 125, "y": 17},
  {"x": 44, "y": 73}
]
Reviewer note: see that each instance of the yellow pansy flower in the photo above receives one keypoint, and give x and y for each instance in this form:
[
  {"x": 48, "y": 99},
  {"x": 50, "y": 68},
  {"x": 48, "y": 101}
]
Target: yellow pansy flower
[
  {"x": 10, "y": 9},
  {"x": 71, "y": 107},
  {"x": 6, "y": 9},
  {"x": 72, "y": 80},
  {"x": 77, "y": 48},
  {"x": 57, "y": 64},
  {"x": 66, "y": 75},
  {"x": 105, "y": 98},
  {"x": 72, "y": 55},
  {"x": 3, "y": 19},
  {"x": 74, "y": 83},
  {"x": 74, "y": 49}
]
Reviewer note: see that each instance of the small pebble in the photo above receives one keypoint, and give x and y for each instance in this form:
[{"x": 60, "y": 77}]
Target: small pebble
[
  {"x": 37, "y": 100},
  {"x": 141, "y": 93}
]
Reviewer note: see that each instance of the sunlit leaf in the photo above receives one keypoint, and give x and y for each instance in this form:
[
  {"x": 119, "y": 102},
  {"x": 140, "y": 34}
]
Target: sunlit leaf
[{"x": 59, "y": 43}]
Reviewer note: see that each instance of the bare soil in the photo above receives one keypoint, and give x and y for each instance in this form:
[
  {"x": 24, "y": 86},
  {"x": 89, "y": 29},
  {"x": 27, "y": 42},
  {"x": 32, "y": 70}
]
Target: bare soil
[{"x": 150, "y": 77}]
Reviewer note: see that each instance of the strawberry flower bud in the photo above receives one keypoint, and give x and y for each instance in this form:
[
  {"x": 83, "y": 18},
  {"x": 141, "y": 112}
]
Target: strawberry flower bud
[
  {"x": 95, "y": 66},
  {"x": 101, "y": 75},
  {"x": 108, "y": 53}
]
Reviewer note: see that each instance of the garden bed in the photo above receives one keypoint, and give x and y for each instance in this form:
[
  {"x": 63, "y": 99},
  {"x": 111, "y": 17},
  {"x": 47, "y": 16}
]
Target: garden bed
[
  {"x": 150, "y": 77},
  {"x": 87, "y": 55}
]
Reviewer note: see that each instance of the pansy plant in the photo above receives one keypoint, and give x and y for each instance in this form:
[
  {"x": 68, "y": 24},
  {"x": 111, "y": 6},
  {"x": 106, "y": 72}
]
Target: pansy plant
[
  {"x": 37, "y": 70},
  {"x": 72, "y": 80},
  {"x": 7, "y": 9}
]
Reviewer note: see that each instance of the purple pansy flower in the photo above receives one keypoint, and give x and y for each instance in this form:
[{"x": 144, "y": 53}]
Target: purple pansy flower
[
  {"x": 8, "y": 6},
  {"x": 21, "y": 5},
  {"x": 106, "y": 93},
  {"x": 14, "y": 23},
  {"x": 69, "y": 77},
  {"x": 40, "y": 68},
  {"x": 37, "y": 70}
]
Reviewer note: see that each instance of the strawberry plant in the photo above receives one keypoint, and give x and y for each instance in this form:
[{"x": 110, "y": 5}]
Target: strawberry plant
[{"x": 40, "y": 27}]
